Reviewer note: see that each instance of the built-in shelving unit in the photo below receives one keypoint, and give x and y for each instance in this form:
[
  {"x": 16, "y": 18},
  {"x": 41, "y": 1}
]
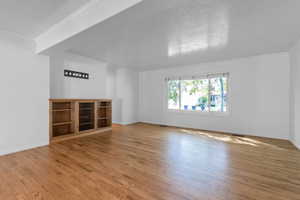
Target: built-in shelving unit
[
  {"x": 104, "y": 114},
  {"x": 86, "y": 116},
  {"x": 71, "y": 118},
  {"x": 62, "y": 119}
]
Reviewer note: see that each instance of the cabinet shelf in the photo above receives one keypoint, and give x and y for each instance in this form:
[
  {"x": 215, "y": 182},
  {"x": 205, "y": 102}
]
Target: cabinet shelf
[
  {"x": 61, "y": 110},
  {"x": 62, "y": 123},
  {"x": 85, "y": 123},
  {"x": 86, "y": 109},
  {"x": 76, "y": 117},
  {"x": 86, "y": 116}
]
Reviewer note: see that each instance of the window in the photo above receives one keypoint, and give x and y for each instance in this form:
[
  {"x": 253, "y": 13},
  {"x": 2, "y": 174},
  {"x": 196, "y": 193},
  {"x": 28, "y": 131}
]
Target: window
[
  {"x": 203, "y": 94},
  {"x": 173, "y": 94}
]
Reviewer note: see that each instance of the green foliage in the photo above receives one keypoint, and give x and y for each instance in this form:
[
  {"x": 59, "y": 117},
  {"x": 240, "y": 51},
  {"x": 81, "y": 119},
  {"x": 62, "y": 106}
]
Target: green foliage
[
  {"x": 192, "y": 86},
  {"x": 173, "y": 90},
  {"x": 200, "y": 88},
  {"x": 203, "y": 100}
]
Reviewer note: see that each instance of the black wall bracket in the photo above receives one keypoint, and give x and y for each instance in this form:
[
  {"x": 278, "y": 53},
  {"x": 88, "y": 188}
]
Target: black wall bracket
[{"x": 74, "y": 74}]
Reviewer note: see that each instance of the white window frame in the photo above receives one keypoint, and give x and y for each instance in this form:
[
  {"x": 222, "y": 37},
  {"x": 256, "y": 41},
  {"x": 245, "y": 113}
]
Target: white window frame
[{"x": 206, "y": 76}]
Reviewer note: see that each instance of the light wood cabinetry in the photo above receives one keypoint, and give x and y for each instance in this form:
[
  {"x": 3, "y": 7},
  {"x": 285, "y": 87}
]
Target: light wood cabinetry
[{"x": 70, "y": 118}]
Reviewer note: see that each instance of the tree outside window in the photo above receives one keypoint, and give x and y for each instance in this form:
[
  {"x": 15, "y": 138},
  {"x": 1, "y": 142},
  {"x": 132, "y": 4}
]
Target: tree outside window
[{"x": 205, "y": 95}]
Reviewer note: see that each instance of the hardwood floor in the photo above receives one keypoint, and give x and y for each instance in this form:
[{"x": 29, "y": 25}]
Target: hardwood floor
[{"x": 150, "y": 162}]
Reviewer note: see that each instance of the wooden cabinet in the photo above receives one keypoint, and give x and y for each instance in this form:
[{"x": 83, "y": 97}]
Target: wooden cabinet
[
  {"x": 70, "y": 118},
  {"x": 86, "y": 116}
]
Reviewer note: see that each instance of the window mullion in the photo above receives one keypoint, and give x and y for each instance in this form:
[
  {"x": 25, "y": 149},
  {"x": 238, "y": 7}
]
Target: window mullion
[
  {"x": 222, "y": 93},
  {"x": 179, "y": 86},
  {"x": 209, "y": 94}
]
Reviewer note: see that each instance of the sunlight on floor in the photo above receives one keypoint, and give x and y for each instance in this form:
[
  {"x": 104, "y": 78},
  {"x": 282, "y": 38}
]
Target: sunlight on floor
[{"x": 233, "y": 139}]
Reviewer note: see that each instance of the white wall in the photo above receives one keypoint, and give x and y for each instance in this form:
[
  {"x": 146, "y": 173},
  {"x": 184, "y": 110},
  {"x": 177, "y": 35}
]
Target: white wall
[
  {"x": 111, "y": 92},
  {"x": 295, "y": 95},
  {"x": 65, "y": 87},
  {"x": 259, "y": 94},
  {"x": 120, "y": 85},
  {"x": 24, "y": 86},
  {"x": 126, "y": 96},
  {"x": 259, "y": 97},
  {"x": 122, "y": 88}
]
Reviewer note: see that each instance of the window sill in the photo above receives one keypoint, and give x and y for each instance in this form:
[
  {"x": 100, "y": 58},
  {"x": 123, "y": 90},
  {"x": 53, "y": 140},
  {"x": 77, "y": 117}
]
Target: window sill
[{"x": 191, "y": 112}]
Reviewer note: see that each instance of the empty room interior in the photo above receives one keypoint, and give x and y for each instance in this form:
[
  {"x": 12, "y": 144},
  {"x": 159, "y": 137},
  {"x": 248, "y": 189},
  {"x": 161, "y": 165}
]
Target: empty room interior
[{"x": 150, "y": 100}]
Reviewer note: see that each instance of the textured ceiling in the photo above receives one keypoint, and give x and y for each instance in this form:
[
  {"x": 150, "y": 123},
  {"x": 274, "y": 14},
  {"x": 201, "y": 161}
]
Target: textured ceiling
[
  {"x": 168, "y": 33},
  {"x": 29, "y": 18},
  {"x": 165, "y": 33}
]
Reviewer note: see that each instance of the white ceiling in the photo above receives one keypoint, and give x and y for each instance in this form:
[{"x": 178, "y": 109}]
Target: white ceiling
[
  {"x": 30, "y": 18},
  {"x": 167, "y": 33}
]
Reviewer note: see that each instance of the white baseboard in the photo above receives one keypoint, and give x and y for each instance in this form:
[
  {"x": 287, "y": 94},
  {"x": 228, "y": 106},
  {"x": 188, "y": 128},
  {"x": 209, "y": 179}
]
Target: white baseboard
[
  {"x": 186, "y": 127},
  {"x": 220, "y": 131},
  {"x": 22, "y": 148},
  {"x": 124, "y": 123},
  {"x": 151, "y": 122},
  {"x": 295, "y": 144}
]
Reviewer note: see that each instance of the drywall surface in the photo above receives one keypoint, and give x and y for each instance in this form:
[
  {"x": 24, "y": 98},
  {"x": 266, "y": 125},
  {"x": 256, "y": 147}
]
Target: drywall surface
[
  {"x": 126, "y": 96},
  {"x": 258, "y": 97},
  {"x": 120, "y": 85},
  {"x": 89, "y": 15},
  {"x": 24, "y": 87},
  {"x": 295, "y": 95},
  {"x": 66, "y": 87},
  {"x": 111, "y": 93}
]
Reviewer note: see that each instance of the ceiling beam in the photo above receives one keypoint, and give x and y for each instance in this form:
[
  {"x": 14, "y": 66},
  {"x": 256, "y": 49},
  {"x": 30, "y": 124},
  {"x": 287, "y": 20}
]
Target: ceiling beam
[{"x": 95, "y": 12}]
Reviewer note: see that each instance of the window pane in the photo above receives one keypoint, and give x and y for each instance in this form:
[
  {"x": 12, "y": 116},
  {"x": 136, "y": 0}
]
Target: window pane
[
  {"x": 173, "y": 94},
  {"x": 194, "y": 95},
  {"x": 218, "y": 97}
]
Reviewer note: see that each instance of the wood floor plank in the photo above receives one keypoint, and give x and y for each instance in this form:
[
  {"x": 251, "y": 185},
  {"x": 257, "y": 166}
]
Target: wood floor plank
[{"x": 149, "y": 162}]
